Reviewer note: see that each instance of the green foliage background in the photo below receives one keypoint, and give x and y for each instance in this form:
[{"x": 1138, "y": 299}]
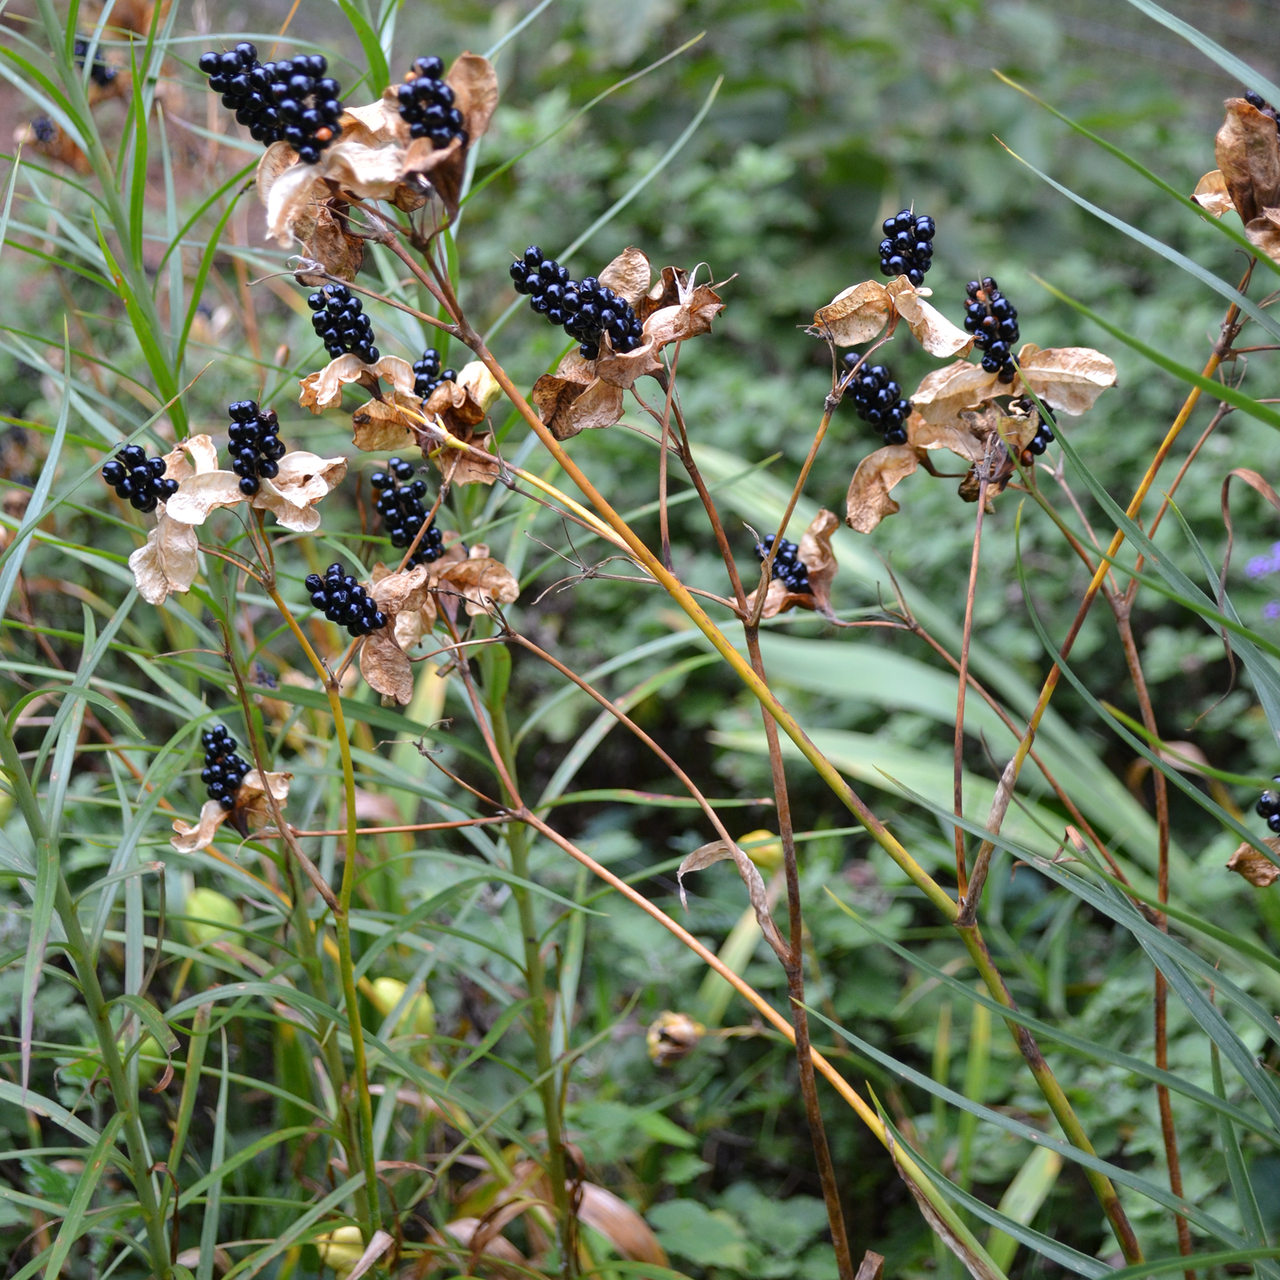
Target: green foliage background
[{"x": 830, "y": 116}]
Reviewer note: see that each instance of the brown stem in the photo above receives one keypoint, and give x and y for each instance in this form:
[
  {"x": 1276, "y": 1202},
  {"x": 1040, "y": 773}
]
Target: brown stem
[
  {"x": 1008, "y": 780},
  {"x": 1168, "y": 1132},
  {"x": 663, "y": 523},
  {"x": 614, "y": 710}
]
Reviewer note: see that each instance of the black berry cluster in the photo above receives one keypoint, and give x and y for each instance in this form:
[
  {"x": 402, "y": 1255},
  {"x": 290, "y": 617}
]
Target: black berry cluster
[
  {"x": 1044, "y": 436},
  {"x": 427, "y": 104},
  {"x": 253, "y": 440},
  {"x": 292, "y": 100},
  {"x": 344, "y": 601},
  {"x": 223, "y": 770},
  {"x": 587, "y": 309},
  {"x": 100, "y": 72},
  {"x": 400, "y": 506},
  {"x": 877, "y": 399},
  {"x": 993, "y": 321},
  {"x": 787, "y": 564},
  {"x": 138, "y": 478},
  {"x": 1268, "y": 807},
  {"x": 44, "y": 129},
  {"x": 341, "y": 324},
  {"x": 907, "y": 247},
  {"x": 427, "y": 374}
]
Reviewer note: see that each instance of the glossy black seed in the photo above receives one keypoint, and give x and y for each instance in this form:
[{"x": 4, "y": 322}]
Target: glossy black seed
[
  {"x": 787, "y": 565},
  {"x": 877, "y": 399},
  {"x": 224, "y": 770},
  {"x": 586, "y": 308},
  {"x": 277, "y": 101},
  {"x": 99, "y": 72},
  {"x": 137, "y": 478},
  {"x": 340, "y": 323},
  {"x": 426, "y": 104},
  {"x": 1268, "y": 803},
  {"x": 1274, "y": 822},
  {"x": 993, "y": 321},
  {"x": 427, "y": 374},
  {"x": 344, "y": 601},
  {"x": 907, "y": 248}
]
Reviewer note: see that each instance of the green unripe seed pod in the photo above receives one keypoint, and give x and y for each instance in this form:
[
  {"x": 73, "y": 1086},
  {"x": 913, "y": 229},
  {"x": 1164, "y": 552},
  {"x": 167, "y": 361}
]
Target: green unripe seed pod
[
  {"x": 386, "y": 995},
  {"x": 213, "y": 915}
]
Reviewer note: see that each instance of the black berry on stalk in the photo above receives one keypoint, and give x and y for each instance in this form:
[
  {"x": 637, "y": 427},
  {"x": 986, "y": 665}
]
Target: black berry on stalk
[
  {"x": 223, "y": 770},
  {"x": 427, "y": 104},
  {"x": 253, "y": 440},
  {"x": 787, "y": 565},
  {"x": 1268, "y": 807},
  {"x": 340, "y": 322},
  {"x": 100, "y": 72},
  {"x": 44, "y": 129},
  {"x": 993, "y": 321},
  {"x": 586, "y": 308},
  {"x": 344, "y": 601},
  {"x": 1044, "y": 436},
  {"x": 427, "y": 374},
  {"x": 877, "y": 399},
  {"x": 292, "y": 100},
  {"x": 907, "y": 247},
  {"x": 138, "y": 478},
  {"x": 400, "y": 506}
]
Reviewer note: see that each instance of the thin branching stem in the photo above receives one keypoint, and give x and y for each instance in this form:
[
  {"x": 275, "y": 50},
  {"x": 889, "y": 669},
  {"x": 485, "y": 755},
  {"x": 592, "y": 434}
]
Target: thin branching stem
[{"x": 962, "y": 687}]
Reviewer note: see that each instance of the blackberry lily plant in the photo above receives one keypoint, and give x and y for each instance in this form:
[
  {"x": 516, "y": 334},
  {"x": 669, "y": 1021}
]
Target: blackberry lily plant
[{"x": 335, "y": 179}]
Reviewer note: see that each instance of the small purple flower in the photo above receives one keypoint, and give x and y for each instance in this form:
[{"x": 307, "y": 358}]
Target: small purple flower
[
  {"x": 1271, "y": 610},
  {"x": 1260, "y": 566}
]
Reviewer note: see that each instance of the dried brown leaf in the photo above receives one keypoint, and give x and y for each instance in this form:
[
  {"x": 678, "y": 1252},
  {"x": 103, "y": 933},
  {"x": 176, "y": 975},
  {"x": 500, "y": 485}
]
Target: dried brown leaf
[
  {"x": 168, "y": 561},
  {"x": 387, "y": 425},
  {"x": 304, "y": 478},
  {"x": 324, "y": 387},
  {"x": 1248, "y": 154},
  {"x": 819, "y": 560},
  {"x": 1066, "y": 378},
  {"x": 708, "y": 855},
  {"x": 958, "y": 436},
  {"x": 977, "y": 1267},
  {"x": 932, "y": 330},
  {"x": 482, "y": 581},
  {"x": 857, "y": 315},
  {"x": 252, "y": 810},
  {"x": 868, "y": 499},
  {"x": 465, "y": 466},
  {"x": 187, "y": 839},
  {"x": 620, "y": 1224},
  {"x": 628, "y": 275},
  {"x": 385, "y": 667},
  {"x": 1259, "y": 870},
  {"x": 944, "y": 392},
  {"x": 567, "y": 404},
  {"x": 330, "y": 243},
  {"x": 1211, "y": 194},
  {"x": 202, "y": 494},
  {"x": 398, "y": 592}
]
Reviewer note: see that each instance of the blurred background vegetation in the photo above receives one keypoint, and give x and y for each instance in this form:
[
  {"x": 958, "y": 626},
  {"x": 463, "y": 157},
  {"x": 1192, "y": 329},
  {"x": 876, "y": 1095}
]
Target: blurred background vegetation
[{"x": 829, "y": 115}]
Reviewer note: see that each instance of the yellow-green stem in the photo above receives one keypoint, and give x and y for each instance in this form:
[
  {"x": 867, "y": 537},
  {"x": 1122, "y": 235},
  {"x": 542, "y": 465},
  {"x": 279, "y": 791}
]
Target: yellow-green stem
[{"x": 346, "y": 966}]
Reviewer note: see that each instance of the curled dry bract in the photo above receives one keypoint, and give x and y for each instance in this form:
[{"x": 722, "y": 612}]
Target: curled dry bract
[
  {"x": 859, "y": 313},
  {"x": 303, "y": 479},
  {"x": 819, "y": 560},
  {"x": 324, "y": 387},
  {"x": 251, "y": 812},
  {"x": 1259, "y": 870},
  {"x": 382, "y": 660},
  {"x": 868, "y": 500},
  {"x": 1068, "y": 379},
  {"x": 585, "y": 395},
  {"x": 1247, "y": 149},
  {"x": 481, "y": 581},
  {"x": 168, "y": 561},
  {"x": 376, "y": 159}
]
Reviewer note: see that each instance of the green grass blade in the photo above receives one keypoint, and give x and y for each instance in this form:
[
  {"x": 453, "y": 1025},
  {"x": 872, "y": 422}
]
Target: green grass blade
[
  {"x": 1022, "y": 1201},
  {"x": 1192, "y": 268},
  {"x": 73, "y": 1225},
  {"x": 1217, "y": 390},
  {"x": 1233, "y": 66}
]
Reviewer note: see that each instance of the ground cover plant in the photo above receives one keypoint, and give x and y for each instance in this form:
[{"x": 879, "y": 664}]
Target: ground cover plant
[{"x": 374, "y": 904}]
